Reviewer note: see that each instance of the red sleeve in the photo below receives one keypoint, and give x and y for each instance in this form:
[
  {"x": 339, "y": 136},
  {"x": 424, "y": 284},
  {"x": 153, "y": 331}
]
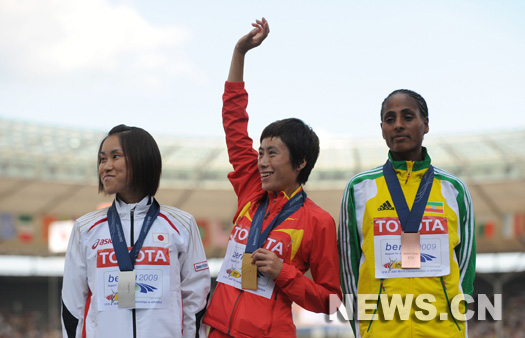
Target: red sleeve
[
  {"x": 245, "y": 177},
  {"x": 323, "y": 259}
]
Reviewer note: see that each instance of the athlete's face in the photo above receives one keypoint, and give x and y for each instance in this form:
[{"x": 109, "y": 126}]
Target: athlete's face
[
  {"x": 113, "y": 170},
  {"x": 403, "y": 128},
  {"x": 275, "y": 167}
]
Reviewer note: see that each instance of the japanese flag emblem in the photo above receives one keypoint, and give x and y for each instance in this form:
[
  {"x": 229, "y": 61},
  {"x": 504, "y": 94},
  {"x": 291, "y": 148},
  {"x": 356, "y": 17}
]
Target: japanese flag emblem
[{"x": 160, "y": 238}]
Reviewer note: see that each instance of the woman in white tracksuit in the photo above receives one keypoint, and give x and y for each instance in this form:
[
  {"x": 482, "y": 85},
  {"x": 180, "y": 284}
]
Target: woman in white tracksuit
[{"x": 110, "y": 292}]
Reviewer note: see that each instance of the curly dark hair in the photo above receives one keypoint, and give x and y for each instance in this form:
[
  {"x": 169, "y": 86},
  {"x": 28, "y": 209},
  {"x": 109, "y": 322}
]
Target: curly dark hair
[{"x": 420, "y": 101}]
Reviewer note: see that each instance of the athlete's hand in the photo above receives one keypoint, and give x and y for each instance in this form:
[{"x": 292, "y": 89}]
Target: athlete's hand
[
  {"x": 247, "y": 42},
  {"x": 255, "y": 37},
  {"x": 267, "y": 262}
]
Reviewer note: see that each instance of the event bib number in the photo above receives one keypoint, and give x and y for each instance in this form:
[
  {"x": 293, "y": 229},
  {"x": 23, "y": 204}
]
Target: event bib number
[
  {"x": 152, "y": 279},
  {"x": 434, "y": 245},
  {"x": 231, "y": 272}
]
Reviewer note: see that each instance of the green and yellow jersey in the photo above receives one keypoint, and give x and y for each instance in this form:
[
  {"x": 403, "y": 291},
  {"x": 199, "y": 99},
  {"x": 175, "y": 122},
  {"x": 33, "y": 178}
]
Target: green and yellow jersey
[{"x": 369, "y": 249}]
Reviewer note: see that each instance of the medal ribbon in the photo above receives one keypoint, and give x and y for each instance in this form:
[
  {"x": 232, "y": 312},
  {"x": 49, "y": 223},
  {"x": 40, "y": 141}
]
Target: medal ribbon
[
  {"x": 255, "y": 238},
  {"x": 125, "y": 259},
  {"x": 410, "y": 219}
]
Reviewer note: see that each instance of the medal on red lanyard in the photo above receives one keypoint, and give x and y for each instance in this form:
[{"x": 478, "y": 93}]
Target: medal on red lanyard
[
  {"x": 256, "y": 239},
  {"x": 410, "y": 219},
  {"x": 126, "y": 259}
]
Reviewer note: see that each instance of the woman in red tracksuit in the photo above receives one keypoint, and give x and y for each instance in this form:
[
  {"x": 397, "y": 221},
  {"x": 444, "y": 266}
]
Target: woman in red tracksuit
[{"x": 267, "y": 182}]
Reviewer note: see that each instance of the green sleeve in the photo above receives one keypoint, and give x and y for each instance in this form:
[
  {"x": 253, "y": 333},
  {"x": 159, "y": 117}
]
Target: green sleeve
[{"x": 349, "y": 252}]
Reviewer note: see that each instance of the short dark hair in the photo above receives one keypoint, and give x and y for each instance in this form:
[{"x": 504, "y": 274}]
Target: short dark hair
[
  {"x": 143, "y": 158},
  {"x": 420, "y": 101},
  {"x": 301, "y": 140}
]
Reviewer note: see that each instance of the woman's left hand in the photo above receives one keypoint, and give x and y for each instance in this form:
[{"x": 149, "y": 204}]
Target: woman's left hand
[{"x": 267, "y": 262}]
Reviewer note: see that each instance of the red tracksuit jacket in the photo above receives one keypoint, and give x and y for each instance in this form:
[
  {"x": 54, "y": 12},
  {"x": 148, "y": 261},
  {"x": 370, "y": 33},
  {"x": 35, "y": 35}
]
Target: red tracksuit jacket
[{"x": 305, "y": 240}]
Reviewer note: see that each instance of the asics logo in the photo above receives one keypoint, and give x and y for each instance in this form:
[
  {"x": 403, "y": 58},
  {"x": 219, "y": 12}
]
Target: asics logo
[{"x": 101, "y": 242}]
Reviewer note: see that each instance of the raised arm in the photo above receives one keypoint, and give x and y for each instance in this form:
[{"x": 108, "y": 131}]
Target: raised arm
[
  {"x": 245, "y": 177},
  {"x": 251, "y": 40}
]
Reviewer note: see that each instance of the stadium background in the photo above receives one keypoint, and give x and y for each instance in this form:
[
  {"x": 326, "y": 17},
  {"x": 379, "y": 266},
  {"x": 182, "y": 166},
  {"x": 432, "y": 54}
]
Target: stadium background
[{"x": 48, "y": 178}]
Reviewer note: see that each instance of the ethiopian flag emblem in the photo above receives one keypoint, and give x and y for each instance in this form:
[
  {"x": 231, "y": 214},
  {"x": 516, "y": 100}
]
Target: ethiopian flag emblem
[{"x": 435, "y": 207}]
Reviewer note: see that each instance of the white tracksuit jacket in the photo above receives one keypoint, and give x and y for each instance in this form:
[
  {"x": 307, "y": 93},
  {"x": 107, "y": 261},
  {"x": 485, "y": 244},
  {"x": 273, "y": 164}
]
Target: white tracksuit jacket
[{"x": 172, "y": 277}]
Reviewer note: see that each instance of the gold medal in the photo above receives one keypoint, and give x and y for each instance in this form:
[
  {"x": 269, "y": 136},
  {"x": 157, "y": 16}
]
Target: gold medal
[{"x": 249, "y": 273}]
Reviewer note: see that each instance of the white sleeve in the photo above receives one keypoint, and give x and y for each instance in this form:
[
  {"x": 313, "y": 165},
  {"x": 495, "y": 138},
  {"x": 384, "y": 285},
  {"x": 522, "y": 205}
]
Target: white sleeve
[
  {"x": 75, "y": 287},
  {"x": 195, "y": 283}
]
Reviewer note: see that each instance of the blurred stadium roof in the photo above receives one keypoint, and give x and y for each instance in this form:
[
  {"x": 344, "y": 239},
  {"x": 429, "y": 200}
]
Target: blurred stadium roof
[{"x": 52, "y": 170}]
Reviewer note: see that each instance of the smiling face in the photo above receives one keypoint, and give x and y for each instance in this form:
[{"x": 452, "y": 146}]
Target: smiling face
[
  {"x": 113, "y": 171},
  {"x": 275, "y": 167},
  {"x": 403, "y": 128}
]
